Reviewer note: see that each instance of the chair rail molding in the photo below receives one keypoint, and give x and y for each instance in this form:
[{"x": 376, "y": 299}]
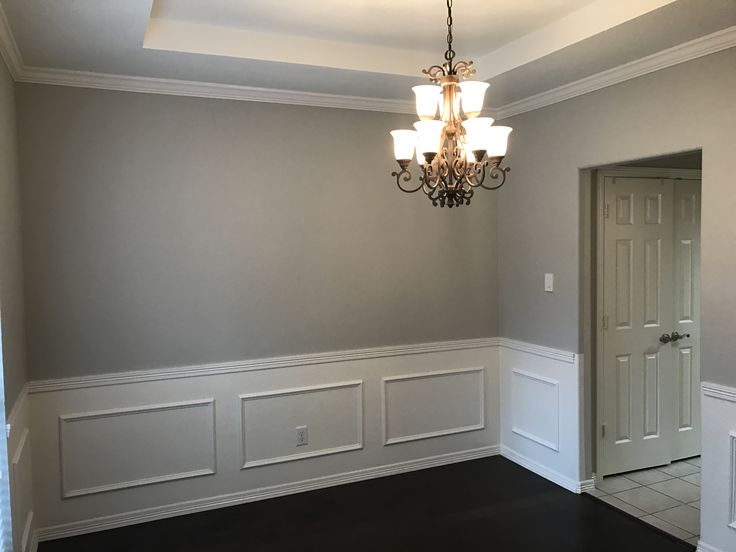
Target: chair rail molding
[{"x": 270, "y": 363}]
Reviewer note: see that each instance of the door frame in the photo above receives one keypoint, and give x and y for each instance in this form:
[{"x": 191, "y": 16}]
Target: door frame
[{"x": 595, "y": 336}]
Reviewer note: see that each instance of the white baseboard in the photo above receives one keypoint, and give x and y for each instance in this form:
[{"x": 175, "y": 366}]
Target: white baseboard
[
  {"x": 702, "y": 547},
  {"x": 562, "y": 480},
  {"x": 201, "y": 505}
]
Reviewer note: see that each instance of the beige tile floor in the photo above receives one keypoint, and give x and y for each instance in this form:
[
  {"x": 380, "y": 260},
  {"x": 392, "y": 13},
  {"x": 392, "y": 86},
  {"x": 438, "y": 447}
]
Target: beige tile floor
[{"x": 667, "y": 497}]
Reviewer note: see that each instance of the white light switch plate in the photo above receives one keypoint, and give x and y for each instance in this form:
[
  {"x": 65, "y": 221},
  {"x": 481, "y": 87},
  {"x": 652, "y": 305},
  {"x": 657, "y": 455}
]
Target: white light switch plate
[{"x": 549, "y": 282}]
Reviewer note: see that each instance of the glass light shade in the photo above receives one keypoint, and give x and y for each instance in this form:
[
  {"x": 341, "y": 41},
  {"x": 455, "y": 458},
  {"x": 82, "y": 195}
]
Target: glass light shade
[
  {"x": 473, "y": 94},
  {"x": 477, "y": 132},
  {"x": 404, "y": 142},
  {"x": 429, "y": 134},
  {"x": 428, "y": 98},
  {"x": 498, "y": 140}
]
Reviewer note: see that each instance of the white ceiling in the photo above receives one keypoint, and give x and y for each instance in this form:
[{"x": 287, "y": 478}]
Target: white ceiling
[
  {"x": 480, "y": 26},
  {"x": 349, "y": 53}
]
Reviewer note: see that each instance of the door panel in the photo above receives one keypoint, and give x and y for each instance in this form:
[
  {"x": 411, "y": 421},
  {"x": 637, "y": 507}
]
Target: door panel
[
  {"x": 687, "y": 319},
  {"x": 637, "y": 272}
]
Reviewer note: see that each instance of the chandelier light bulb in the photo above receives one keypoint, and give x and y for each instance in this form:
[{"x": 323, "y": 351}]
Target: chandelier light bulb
[
  {"x": 429, "y": 136},
  {"x": 477, "y": 133},
  {"x": 404, "y": 143},
  {"x": 427, "y": 100},
  {"x": 498, "y": 140},
  {"x": 473, "y": 94}
]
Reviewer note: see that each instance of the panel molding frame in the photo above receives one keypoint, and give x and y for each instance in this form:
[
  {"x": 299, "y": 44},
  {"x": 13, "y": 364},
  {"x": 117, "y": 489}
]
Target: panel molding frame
[
  {"x": 555, "y": 446},
  {"x": 144, "y": 481},
  {"x": 243, "y": 399},
  {"x": 385, "y": 381}
]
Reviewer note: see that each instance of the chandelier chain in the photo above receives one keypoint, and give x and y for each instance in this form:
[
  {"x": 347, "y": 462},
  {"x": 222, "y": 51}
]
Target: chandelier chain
[{"x": 450, "y": 53}]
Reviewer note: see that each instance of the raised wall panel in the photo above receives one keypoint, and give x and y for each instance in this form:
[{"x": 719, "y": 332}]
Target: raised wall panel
[
  {"x": 333, "y": 414},
  {"x": 623, "y": 398},
  {"x": 128, "y": 447},
  {"x": 535, "y": 411},
  {"x": 625, "y": 209},
  {"x": 431, "y": 404},
  {"x": 687, "y": 290},
  {"x": 651, "y": 395},
  {"x": 652, "y": 281},
  {"x": 21, "y": 493},
  {"x": 624, "y": 267},
  {"x": 653, "y": 209},
  {"x": 685, "y": 387}
]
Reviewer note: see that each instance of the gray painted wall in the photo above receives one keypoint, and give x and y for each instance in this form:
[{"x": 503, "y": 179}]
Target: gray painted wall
[
  {"x": 11, "y": 267},
  {"x": 681, "y": 108},
  {"x": 164, "y": 231}
]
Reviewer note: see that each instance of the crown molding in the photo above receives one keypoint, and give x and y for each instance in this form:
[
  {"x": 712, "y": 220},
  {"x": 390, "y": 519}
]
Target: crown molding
[
  {"x": 8, "y": 47},
  {"x": 688, "y": 51},
  {"x": 172, "y": 87},
  {"x": 703, "y": 46}
]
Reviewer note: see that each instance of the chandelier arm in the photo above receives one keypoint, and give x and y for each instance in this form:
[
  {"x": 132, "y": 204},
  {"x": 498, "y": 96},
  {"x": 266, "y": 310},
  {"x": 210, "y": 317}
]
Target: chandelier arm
[
  {"x": 405, "y": 176},
  {"x": 497, "y": 172}
]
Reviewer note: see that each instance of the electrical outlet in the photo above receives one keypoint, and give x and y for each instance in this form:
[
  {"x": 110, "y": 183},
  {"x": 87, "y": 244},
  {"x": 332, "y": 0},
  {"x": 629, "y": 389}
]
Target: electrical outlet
[{"x": 302, "y": 438}]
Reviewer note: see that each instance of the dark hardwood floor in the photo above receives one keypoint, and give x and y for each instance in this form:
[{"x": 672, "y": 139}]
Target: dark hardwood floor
[{"x": 489, "y": 504}]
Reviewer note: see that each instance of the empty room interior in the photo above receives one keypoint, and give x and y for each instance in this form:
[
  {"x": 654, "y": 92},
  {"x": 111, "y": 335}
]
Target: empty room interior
[{"x": 368, "y": 275}]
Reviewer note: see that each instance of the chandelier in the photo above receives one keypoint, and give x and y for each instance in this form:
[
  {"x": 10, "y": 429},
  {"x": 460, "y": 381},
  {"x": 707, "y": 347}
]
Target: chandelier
[{"x": 455, "y": 153}]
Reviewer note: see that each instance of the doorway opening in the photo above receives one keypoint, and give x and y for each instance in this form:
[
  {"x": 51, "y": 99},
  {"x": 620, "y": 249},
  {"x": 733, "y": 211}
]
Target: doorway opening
[{"x": 641, "y": 327}]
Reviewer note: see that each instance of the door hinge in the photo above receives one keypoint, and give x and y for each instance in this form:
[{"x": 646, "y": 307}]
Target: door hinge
[
  {"x": 605, "y": 211},
  {"x": 605, "y": 321},
  {"x": 603, "y": 431}
]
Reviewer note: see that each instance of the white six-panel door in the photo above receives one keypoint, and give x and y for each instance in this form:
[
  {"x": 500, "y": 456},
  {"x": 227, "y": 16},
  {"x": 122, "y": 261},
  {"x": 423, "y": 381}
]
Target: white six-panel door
[{"x": 650, "y": 259}]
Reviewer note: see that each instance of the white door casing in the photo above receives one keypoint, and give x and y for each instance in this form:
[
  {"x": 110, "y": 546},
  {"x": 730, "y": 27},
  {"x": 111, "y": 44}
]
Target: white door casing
[{"x": 648, "y": 278}]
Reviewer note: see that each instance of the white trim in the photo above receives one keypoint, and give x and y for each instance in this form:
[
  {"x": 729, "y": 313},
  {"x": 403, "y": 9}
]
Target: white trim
[
  {"x": 173, "y": 87},
  {"x": 424, "y": 375},
  {"x": 531, "y": 436},
  {"x": 140, "y": 376},
  {"x": 709, "y": 44},
  {"x": 702, "y": 547},
  {"x": 718, "y": 391},
  {"x": 15, "y": 410},
  {"x": 732, "y": 477},
  {"x": 9, "y": 48},
  {"x": 562, "y": 480},
  {"x": 244, "y": 464},
  {"x": 703, "y": 46},
  {"x": 201, "y": 505},
  {"x": 115, "y": 412},
  {"x": 539, "y": 350},
  {"x": 26, "y": 542}
]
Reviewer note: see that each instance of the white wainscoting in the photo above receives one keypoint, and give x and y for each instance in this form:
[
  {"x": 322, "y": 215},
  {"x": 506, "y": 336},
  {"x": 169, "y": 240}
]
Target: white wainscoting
[
  {"x": 332, "y": 414},
  {"x": 108, "y": 450},
  {"x": 541, "y": 411},
  {"x": 718, "y": 485},
  {"x": 21, "y": 475},
  {"x": 432, "y": 404},
  {"x": 113, "y": 450}
]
